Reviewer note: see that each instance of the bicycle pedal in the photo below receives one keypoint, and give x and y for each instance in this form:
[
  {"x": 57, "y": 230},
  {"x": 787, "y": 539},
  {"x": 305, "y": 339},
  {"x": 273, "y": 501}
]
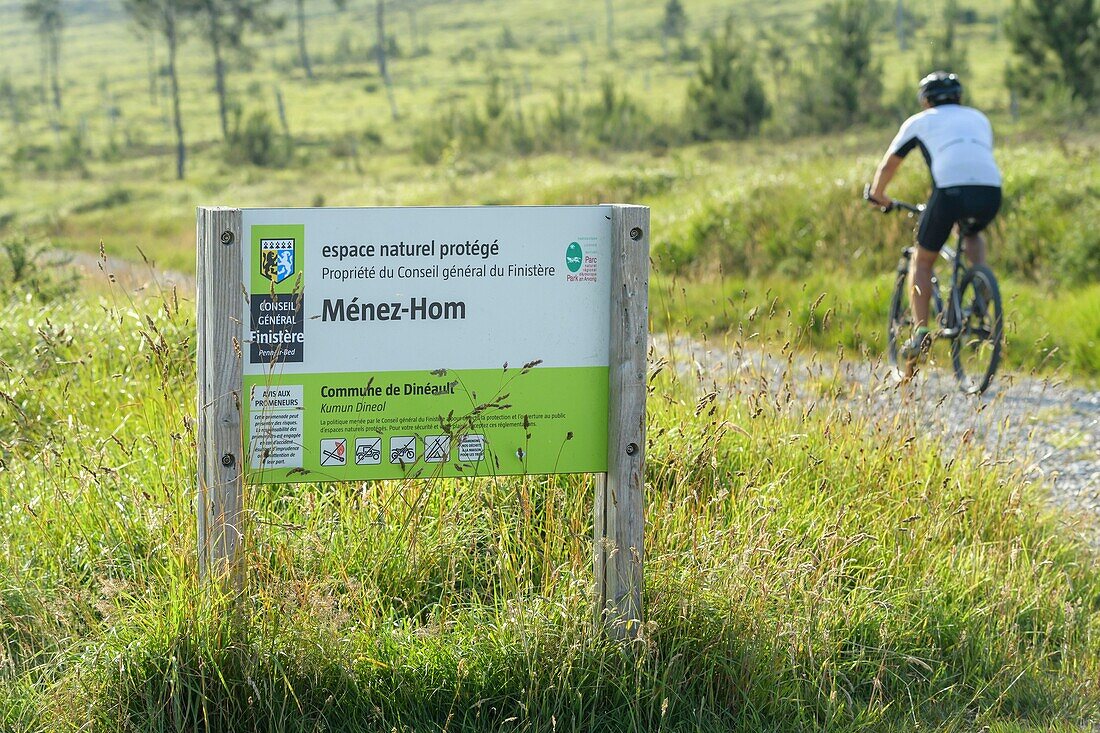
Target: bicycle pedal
[{"x": 949, "y": 333}]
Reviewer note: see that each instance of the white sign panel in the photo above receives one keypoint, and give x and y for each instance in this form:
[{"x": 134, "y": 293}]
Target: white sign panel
[{"x": 441, "y": 340}]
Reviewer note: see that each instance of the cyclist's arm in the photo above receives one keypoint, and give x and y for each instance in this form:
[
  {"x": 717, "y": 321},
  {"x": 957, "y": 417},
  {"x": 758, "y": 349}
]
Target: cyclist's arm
[
  {"x": 885, "y": 173},
  {"x": 908, "y": 137}
]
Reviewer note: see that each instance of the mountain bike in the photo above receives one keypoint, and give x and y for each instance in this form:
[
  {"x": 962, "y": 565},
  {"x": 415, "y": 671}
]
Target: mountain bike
[{"x": 971, "y": 316}]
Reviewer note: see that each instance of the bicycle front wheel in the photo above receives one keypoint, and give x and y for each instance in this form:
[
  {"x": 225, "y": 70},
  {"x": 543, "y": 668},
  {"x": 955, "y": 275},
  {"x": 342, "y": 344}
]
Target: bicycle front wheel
[
  {"x": 900, "y": 322},
  {"x": 976, "y": 350}
]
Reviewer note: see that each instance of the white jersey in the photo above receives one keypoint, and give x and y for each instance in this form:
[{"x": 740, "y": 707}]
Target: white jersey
[{"x": 957, "y": 142}]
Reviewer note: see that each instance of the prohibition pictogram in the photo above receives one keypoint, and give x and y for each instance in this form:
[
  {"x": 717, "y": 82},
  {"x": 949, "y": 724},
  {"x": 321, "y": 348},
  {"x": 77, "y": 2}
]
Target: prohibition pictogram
[
  {"x": 437, "y": 448},
  {"x": 368, "y": 451},
  {"x": 403, "y": 450},
  {"x": 334, "y": 452}
]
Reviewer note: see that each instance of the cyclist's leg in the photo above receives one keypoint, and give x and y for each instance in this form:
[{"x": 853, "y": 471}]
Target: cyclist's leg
[
  {"x": 935, "y": 226},
  {"x": 920, "y": 284},
  {"x": 975, "y": 248}
]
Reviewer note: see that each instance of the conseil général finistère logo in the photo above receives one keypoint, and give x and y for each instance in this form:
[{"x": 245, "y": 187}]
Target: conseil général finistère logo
[
  {"x": 277, "y": 326},
  {"x": 277, "y": 259}
]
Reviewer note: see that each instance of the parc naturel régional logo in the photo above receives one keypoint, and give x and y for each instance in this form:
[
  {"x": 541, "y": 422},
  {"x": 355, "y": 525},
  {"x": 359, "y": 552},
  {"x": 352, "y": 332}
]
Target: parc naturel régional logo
[
  {"x": 277, "y": 257},
  {"x": 574, "y": 257}
]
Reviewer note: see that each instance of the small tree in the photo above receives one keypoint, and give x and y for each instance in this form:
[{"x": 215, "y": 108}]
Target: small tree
[
  {"x": 414, "y": 28},
  {"x": 778, "y": 58},
  {"x": 167, "y": 18},
  {"x": 945, "y": 49},
  {"x": 151, "y": 68},
  {"x": 1055, "y": 41},
  {"x": 254, "y": 139},
  {"x": 726, "y": 98},
  {"x": 674, "y": 23},
  {"x": 901, "y": 29},
  {"x": 303, "y": 50},
  {"x": 48, "y": 21},
  {"x": 227, "y": 21},
  {"x": 380, "y": 52},
  {"x": 907, "y": 21},
  {"x": 610, "y": 10},
  {"x": 9, "y": 96},
  {"x": 845, "y": 85},
  {"x": 615, "y": 120}
]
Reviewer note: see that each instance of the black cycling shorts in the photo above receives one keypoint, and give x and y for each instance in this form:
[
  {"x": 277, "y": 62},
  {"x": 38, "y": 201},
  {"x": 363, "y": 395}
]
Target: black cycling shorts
[{"x": 971, "y": 207}]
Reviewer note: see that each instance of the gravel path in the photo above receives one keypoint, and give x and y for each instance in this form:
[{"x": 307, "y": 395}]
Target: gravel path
[
  {"x": 129, "y": 275},
  {"x": 1048, "y": 429}
]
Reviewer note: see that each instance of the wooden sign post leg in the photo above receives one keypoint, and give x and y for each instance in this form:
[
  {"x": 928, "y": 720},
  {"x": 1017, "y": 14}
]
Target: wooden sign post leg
[
  {"x": 619, "y": 519},
  {"x": 220, "y": 451}
]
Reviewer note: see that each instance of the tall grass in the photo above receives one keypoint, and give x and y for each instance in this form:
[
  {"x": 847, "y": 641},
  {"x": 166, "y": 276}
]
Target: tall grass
[
  {"x": 808, "y": 570},
  {"x": 826, "y": 311},
  {"x": 799, "y": 217}
]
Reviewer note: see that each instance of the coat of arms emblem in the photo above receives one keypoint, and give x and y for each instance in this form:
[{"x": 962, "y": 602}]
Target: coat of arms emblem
[{"x": 276, "y": 259}]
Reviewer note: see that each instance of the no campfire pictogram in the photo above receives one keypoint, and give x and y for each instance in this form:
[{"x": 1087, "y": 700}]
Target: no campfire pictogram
[{"x": 334, "y": 452}]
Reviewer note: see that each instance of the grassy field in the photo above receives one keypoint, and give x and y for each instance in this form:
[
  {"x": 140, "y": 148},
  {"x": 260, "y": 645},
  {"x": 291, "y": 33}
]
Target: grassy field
[
  {"x": 446, "y": 51},
  {"x": 772, "y": 209},
  {"x": 733, "y": 222},
  {"x": 806, "y": 572}
]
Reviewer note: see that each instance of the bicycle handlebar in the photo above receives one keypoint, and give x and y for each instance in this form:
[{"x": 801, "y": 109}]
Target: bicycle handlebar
[{"x": 894, "y": 203}]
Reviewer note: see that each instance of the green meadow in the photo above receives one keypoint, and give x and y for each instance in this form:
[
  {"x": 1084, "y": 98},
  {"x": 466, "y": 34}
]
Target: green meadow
[
  {"x": 776, "y": 207},
  {"x": 807, "y": 569}
]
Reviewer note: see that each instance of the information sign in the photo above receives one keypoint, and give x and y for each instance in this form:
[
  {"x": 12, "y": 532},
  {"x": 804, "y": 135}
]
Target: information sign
[
  {"x": 394, "y": 342},
  {"x": 359, "y": 344}
]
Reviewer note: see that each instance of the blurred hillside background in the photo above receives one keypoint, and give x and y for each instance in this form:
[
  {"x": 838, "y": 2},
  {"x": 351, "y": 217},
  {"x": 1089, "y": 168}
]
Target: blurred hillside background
[{"x": 748, "y": 127}]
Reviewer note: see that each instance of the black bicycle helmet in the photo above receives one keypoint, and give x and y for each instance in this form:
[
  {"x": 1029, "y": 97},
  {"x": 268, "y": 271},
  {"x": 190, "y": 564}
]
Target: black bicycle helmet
[{"x": 940, "y": 87}]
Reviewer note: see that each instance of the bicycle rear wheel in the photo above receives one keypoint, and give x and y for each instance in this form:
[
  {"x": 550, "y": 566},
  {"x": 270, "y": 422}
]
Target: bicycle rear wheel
[{"x": 976, "y": 351}]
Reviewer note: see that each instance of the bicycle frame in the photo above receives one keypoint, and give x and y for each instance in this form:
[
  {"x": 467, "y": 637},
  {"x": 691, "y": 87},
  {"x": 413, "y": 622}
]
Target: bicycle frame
[{"x": 951, "y": 317}]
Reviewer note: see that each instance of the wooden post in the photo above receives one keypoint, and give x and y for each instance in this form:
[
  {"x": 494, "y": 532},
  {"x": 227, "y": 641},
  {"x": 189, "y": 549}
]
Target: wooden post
[
  {"x": 221, "y": 308},
  {"x": 619, "y": 521}
]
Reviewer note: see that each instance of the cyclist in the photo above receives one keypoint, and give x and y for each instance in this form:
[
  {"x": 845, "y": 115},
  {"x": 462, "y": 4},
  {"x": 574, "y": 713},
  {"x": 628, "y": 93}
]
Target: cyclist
[{"x": 957, "y": 143}]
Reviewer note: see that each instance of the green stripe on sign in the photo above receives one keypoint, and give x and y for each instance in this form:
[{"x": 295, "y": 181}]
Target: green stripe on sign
[{"x": 392, "y": 425}]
